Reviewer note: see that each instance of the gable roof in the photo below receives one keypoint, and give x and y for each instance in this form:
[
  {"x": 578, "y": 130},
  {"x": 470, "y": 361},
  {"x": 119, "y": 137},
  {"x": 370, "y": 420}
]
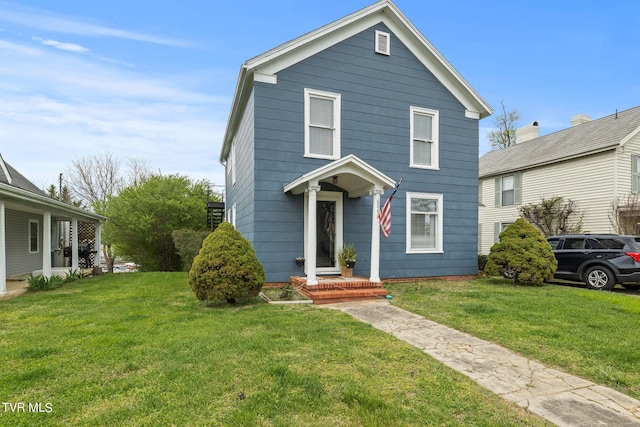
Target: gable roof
[
  {"x": 10, "y": 176},
  {"x": 356, "y": 176},
  {"x": 592, "y": 137},
  {"x": 20, "y": 193},
  {"x": 264, "y": 67}
]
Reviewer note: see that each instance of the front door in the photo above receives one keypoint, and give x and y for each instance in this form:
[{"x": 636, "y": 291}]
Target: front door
[{"x": 328, "y": 231}]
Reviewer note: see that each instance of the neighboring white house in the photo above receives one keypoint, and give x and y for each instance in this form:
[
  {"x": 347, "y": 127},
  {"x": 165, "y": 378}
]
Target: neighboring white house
[
  {"x": 34, "y": 229},
  {"x": 593, "y": 163}
]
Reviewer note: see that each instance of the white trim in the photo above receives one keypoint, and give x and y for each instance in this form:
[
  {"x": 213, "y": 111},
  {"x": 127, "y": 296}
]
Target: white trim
[
  {"x": 439, "y": 226},
  {"x": 37, "y": 223},
  {"x": 435, "y": 137},
  {"x": 326, "y": 196},
  {"x": 307, "y": 45},
  {"x": 336, "y": 98},
  {"x": 3, "y": 251},
  {"x": 5, "y": 170},
  {"x": 387, "y": 37},
  {"x": 265, "y": 78},
  {"x": 351, "y": 165}
]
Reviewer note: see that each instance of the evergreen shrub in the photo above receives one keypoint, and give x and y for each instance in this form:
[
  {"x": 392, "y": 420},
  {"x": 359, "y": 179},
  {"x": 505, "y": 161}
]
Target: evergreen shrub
[
  {"x": 522, "y": 254},
  {"x": 226, "y": 268}
]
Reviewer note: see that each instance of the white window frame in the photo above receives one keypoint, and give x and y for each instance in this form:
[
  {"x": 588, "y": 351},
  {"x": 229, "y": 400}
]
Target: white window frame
[
  {"x": 512, "y": 190},
  {"x": 336, "y": 98},
  {"x": 387, "y": 37},
  {"x": 37, "y": 223},
  {"x": 435, "y": 136},
  {"x": 439, "y": 224}
]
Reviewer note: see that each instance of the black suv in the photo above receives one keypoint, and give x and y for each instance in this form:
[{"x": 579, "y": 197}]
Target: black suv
[{"x": 598, "y": 260}]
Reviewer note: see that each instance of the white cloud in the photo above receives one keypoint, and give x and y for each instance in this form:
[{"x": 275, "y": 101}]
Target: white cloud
[
  {"x": 44, "y": 20},
  {"x": 71, "y": 47}
]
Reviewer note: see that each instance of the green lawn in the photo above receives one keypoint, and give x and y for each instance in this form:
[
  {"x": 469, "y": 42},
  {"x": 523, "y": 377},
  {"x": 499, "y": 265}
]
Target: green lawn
[
  {"x": 139, "y": 349},
  {"x": 591, "y": 334}
]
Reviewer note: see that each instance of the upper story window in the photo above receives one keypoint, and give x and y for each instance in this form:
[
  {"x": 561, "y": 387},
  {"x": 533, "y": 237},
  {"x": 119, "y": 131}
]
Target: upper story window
[
  {"x": 322, "y": 124},
  {"x": 231, "y": 163},
  {"x": 508, "y": 190},
  {"x": 34, "y": 236},
  {"x": 424, "y": 223},
  {"x": 424, "y": 138},
  {"x": 635, "y": 174}
]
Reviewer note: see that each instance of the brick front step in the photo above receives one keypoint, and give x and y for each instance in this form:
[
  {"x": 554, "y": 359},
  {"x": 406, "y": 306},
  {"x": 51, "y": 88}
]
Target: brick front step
[
  {"x": 343, "y": 295},
  {"x": 332, "y": 289}
]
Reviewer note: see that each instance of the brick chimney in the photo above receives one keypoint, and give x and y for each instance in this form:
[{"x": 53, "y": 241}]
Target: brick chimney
[
  {"x": 579, "y": 119},
  {"x": 525, "y": 133}
]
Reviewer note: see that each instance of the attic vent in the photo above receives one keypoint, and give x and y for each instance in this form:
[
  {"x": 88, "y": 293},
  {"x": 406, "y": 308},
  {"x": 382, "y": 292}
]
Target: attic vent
[{"x": 383, "y": 43}]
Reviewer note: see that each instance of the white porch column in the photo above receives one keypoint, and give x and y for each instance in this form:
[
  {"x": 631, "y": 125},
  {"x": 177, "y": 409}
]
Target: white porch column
[
  {"x": 74, "y": 244},
  {"x": 98, "y": 245},
  {"x": 46, "y": 244},
  {"x": 310, "y": 261},
  {"x": 374, "y": 275},
  {"x": 3, "y": 252}
]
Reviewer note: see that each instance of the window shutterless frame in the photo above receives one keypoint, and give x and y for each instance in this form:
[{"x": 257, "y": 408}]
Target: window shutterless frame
[
  {"x": 321, "y": 124},
  {"x": 424, "y": 223},
  {"x": 424, "y": 151}
]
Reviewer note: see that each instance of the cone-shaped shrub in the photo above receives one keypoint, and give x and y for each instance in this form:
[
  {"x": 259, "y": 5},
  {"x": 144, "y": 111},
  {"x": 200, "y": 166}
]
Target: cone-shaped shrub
[
  {"x": 226, "y": 267},
  {"x": 522, "y": 254}
]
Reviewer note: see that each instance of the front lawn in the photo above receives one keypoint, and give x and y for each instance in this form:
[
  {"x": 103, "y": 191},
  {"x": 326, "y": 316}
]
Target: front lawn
[
  {"x": 591, "y": 334},
  {"x": 139, "y": 349}
]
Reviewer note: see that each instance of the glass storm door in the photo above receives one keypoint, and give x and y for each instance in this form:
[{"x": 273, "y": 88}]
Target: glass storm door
[
  {"x": 326, "y": 234},
  {"x": 328, "y": 231}
]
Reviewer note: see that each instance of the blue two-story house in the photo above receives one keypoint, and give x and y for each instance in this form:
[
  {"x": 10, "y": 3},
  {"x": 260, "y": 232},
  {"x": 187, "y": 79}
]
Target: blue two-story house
[{"x": 320, "y": 130}]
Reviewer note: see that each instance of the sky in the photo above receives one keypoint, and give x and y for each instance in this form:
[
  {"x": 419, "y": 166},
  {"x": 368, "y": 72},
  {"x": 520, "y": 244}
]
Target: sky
[{"x": 153, "y": 80}]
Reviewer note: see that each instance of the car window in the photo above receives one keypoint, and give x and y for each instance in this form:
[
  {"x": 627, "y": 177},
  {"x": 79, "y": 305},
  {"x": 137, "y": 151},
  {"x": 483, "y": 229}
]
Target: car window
[
  {"x": 596, "y": 244},
  {"x": 573, "y": 244},
  {"x": 554, "y": 243},
  {"x": 612, "y": 243}
]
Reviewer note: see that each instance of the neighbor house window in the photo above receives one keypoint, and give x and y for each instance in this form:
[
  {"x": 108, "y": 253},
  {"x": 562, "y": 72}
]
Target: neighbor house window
[
  {"x": 424, "y": 138},
  {"x": 508, "y": 190},
  {"x": 34, "y": 236},
  {"x": 322, "y": 124},
  {"x": 424, "y": 223},
  {"x": 635, "y": 174},
  {"x": 498, "y": 228}
]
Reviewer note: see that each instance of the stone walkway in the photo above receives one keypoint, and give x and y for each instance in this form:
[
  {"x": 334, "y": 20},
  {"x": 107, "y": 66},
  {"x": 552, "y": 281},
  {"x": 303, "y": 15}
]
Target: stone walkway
[{"x": 563, "y": 399}]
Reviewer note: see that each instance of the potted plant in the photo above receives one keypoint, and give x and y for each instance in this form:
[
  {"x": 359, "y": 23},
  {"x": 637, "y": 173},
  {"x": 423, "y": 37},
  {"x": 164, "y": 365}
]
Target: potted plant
[{"x": 347, "y": 259}]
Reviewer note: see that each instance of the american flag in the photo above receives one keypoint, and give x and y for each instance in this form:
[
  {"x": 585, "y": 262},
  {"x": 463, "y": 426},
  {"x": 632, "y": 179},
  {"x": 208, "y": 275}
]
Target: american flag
[{"x": 385, "y": 213}]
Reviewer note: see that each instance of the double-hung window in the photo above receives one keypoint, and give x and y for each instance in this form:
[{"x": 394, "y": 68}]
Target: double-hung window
[
  {"x": 508, "y": 190},
  {"x": 424, "y": 138},
  {"x": 635, "y": 174},
  {"x": 424, "y": 222},
  {"x": 322, "y": 124}
]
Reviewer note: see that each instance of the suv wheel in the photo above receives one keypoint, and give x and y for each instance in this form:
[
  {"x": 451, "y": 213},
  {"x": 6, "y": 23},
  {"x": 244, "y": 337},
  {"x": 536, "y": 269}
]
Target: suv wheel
[{"x": 599, "y": 278}]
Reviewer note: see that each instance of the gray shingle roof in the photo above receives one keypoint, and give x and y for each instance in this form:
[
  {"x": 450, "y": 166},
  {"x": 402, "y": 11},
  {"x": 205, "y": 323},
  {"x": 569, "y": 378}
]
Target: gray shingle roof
[
  {"x": 18, "y": 180},
  {"x": 588, "y": 138}
]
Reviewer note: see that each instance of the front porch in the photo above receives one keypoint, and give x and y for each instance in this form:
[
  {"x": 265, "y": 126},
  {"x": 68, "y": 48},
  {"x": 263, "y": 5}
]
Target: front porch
[{"x": 333, "y": 289}]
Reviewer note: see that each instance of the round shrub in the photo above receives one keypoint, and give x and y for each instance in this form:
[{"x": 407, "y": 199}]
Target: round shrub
[
  {"x": 522, "y": 254},
  {"x": 226, "y": 268}
]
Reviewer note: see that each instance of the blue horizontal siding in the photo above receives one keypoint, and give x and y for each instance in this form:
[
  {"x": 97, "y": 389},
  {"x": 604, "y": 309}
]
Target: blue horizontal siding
[{"x": 377, "y": 92}]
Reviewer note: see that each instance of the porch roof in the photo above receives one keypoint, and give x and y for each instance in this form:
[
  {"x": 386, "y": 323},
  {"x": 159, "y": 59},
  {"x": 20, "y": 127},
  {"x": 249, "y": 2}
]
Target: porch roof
[{"x": 350, "y": 173}]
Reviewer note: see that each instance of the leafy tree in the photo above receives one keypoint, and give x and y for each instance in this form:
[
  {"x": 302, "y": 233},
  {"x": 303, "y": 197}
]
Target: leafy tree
[
  {"x": 94, "y": 179},
  {"x": 188, "y": 244},
  {"x": 52, "y": 191},
  {"x": 553, "y": 216},
  {"x": 505, "y": 136},
  {"x": 142, "y": 218},
  {"x": 226, "y": 267},
  {"x": 522, "y": 254}
]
